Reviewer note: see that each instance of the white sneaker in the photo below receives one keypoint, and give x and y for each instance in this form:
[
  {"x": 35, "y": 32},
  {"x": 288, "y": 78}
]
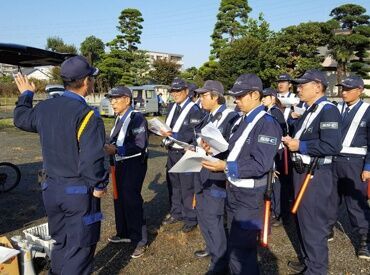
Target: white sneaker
[{"x": 117, "y": 239}]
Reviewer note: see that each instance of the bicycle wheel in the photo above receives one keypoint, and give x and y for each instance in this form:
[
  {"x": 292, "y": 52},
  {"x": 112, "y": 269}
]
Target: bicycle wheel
[{"x": 10, "y": 176}]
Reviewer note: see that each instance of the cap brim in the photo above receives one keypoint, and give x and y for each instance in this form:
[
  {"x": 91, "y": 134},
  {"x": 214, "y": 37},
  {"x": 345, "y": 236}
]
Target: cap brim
[
  {"x": 112, "y": 96},
  {"x": 201, "y": 91},
  {"x": 238, "y": 93},
  {"x": 94, "y": 71},
  {"x": 301, "y": 80},
  {"x": 349, "y": 87},
  {"x": 267, "y": 94},
  {"x": 177, "y": 89}
]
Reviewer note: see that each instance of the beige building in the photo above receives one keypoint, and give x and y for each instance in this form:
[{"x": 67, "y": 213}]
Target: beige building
[{"x": 177, "y": 58}]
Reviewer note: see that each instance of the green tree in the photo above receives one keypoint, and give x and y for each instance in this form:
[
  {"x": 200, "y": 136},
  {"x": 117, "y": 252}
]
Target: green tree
[
  {"x": 56, "y": 44},
  {"x": 230, "y": 25},
  {"x": 164, "y": 71},
  {"x": 350, "y": 15},
  {"x": 130, "y": 30},
  {"x": 189, "y": 74},
  {"x": 92, "y": 48},
  {"x": 242, "y": 56},
  {"x": 362, "y": 64},
  {"x": 125, "y": 64},
  {"x": 351, "y": 41},
  {"x": 259, "y": 28},
  {"x": 209, "y": 70},
  {"x": 294, "y": 49}
]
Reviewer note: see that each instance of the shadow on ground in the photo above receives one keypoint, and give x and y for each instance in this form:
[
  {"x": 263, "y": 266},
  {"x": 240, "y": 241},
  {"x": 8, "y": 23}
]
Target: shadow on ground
[
  {"x": 112, "y": 258},
  {"x": 23, "y": 204}
]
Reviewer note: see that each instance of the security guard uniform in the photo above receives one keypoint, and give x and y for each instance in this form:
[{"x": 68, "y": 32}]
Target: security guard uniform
[
  {"x": 280, "y": 188},
  {"x": 130, "y": 135},
  {"x": 211, "y": 195},
  {"x": 184, "y": 119},
  {"x": 253, "y": 145},
  {"x": 349, "y": 164},
  {"x": 74, "y": 167},
  {"x": 318, "y": 131}
]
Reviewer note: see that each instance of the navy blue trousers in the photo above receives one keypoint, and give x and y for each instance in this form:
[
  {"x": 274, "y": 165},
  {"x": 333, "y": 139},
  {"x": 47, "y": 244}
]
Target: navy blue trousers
[
  {"x": 210, "y": 209},
  {"x": 181, "y": 191},
  {"x": 128, "y": 208},
  {"x": 282, "y": 188},
  {"x": 74, "y": 223},
  {"x": 313, "y": 218},
  {"x": 349, "y": 187},
  {"x": 244, "y": 214}
]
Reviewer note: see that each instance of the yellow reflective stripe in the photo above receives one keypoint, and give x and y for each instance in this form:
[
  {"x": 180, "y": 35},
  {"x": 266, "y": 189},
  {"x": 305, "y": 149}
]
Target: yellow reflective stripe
[{"x": 83, "y": 124}]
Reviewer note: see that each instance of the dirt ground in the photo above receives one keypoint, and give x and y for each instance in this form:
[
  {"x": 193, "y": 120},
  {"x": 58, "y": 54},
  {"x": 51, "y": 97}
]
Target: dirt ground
[{"x": 170, "y": 251}]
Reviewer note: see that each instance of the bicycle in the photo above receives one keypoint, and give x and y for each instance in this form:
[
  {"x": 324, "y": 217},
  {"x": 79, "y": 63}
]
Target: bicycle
[{"x": 10, "y": 176}]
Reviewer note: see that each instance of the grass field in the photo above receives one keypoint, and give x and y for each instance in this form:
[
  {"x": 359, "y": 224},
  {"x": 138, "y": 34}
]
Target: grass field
[{"x": 6, "y": 123}]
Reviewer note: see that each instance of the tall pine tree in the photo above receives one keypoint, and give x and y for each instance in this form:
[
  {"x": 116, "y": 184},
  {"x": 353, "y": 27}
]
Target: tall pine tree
[{"x": 231, "y": 24}]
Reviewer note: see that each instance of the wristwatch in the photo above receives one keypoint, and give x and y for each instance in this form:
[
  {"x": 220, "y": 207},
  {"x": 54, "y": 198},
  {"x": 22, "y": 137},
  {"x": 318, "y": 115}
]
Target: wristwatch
[{"x": 226, "y": 170}]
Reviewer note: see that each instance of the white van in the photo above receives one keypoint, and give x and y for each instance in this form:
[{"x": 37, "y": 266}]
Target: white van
[
  {"x": 54, "y": 90},
  {"x": 145, "y": 100}
]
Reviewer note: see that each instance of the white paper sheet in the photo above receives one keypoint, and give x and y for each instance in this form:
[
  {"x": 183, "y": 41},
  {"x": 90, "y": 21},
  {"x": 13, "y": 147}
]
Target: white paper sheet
[
  {"x": 211, "y": 135},
  {"x": 289, "y": 101},
  {"x": 299, "y": 110},
  {"x": 155, "y": 126},
  {"x": 191, "y": 162},
  {"x": 6, "y": 253},
  {"x": 182, "y": 144}
]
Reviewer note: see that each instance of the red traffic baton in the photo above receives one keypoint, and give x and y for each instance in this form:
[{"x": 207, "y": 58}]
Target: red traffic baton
[
  {"x": 368, "y": 192},
  {"x": 286, "y": 165},
  {"x": 266, "y": 219},
  {"x": 113, "y": 177},
  {"x": 308, "y": 178}
]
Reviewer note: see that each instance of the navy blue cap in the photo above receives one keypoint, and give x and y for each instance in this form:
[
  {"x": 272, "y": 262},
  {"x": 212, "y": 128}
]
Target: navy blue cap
[
  {"x": 352, "y": 82},
  {"x": 284, "y": 77},
  {"x": 178, "y": 84},
  {"x": 312, "y": 75},
  {"x": 192, "y": 87},
  {"x": 269, "y": 91},
  {"x": 119, "y": 91},
  {"x": 246, "y": 83},
  {"x": 77, "y": 67},
  {"x": 211, "y": 86}
]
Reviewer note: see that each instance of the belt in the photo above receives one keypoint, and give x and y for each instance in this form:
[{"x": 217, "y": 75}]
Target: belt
[
  {"x": 172, "y": 149},
  {"x": 247, "y": 183},
  {"x": 120, "y": 158},
  {"x": 307, "y": 159},
  {"x": 353, "y": 158}
]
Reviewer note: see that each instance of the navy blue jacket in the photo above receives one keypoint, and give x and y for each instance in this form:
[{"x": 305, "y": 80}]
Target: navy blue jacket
[
  {"x": 136, "y": 140},
  {"x": 323, "y": 137},
  {"x": 225, "y": 129},
  {"x": 362, "y": 135},
  {"x": 279, "y": 116},
  {"x": 257, "y": 154},
  {"x": 57, "y": 121},
  {"x": 192, "y": 124}
]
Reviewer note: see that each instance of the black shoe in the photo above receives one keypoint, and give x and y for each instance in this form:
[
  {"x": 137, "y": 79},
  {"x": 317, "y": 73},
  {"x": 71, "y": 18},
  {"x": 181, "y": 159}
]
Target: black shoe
[
  {"x": 364, "y": 252},
  {"x": 170, "y": 220},
  {"x": 201, "y": 254},
  {"x": 297, "y": 267},
  {"x": 211, "y": 272},
  {"x": 331, "y": 236},
  {"x": 188, "y": 228},
  {"x": 276, "y": 222}
]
